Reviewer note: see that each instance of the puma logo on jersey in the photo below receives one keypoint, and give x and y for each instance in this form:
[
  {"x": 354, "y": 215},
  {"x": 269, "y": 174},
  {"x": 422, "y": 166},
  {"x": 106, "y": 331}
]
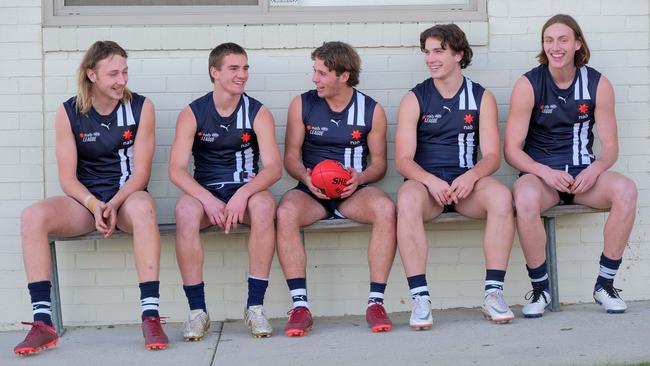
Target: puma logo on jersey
[
  {"x": 336, "y": 122},
  {"x": 107, "y": 125},
  {"x": 561, "y": 98},
  {"x": 224, "y": 127},
  {"x": 447, "y": 108}
]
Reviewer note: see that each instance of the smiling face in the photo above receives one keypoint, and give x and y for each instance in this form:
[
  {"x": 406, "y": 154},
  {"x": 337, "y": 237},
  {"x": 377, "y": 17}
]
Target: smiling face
[
  {"x": 441, "y": 63},
  {"x": 233, "y": 74},
  {"x": 560, "y": 45},
  {"x": 328, "y": 84},
  {"x": 109, "y": 78}
]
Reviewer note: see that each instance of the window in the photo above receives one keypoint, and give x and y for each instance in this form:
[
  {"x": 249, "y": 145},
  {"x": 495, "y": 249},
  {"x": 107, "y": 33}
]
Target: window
[
  {"x": 156, "y": 2},
  {"x": 214, "y": 12}
]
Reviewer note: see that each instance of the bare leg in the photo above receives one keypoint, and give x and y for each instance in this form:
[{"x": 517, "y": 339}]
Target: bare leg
[
  {"x": 493, "y": 200},
  {"x": 190, "y": 219},
  {"x": 372, "y": 206},
  {"x": 532, "y": 196},
  {"x": 615, "y": 191},
  {"x": 137, "y": 215},
  {"x": 414, "y": 205},
  {"x": 260, "y": 214},
  {"x": 61, "y": 216},
  {"x": 296, "y": 209}
]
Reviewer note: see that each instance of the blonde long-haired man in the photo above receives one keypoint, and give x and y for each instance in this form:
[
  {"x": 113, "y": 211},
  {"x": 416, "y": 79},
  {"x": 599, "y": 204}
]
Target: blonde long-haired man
[{"x": 104, "y": 148}]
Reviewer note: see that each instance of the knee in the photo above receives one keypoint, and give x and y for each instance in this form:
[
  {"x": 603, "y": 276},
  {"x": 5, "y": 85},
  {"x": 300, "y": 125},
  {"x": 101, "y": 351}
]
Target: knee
[
  {"x": 384, "y": 212},
  {"x": 408, "y": 202},
  {"x": 286, "y": 214},
  {"x": 188, "y": 215},
  {"x": 142, "y": 208},
  {"x": 625, "y": 194},
  {"x": 33, "y": 219},
  {"x": 526, "y": 202},
  {"x": 261, "y": 208},
  {"x": 501, "y": 202}
]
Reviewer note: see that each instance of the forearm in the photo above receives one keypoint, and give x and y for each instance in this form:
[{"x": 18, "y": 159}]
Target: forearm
[
  {"x": 606, "y": 158},
  {"x": 75, "y": 189},
  {"x": 264, "y": 179},
  {"x": 137, "y": 182},
  {"x": 521, "y": 161},
  {"x": 186, "y": 183},
  {"x": 409, "y": 169},
  {"x": 486, "y": 166},
  {"x": 373, "y": 173},
  {"x": 295, "y": 168}
]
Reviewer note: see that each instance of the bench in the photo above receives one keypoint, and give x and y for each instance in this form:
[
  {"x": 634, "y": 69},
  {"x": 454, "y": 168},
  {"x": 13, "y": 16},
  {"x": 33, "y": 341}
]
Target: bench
[{"x": 549, "y": 217}]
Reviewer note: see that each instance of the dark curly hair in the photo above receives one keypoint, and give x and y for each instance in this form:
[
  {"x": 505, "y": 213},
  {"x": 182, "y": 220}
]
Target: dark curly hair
[{"x": 450, "y": 35}]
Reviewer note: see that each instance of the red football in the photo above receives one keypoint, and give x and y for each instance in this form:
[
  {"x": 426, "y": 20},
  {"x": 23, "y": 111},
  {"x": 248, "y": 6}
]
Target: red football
[{"x": 330, "y": 177}]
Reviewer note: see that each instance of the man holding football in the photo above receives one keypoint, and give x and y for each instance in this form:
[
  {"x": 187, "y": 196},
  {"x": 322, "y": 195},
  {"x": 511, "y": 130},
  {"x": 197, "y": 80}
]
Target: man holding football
[{"x": 337, "y": 122}]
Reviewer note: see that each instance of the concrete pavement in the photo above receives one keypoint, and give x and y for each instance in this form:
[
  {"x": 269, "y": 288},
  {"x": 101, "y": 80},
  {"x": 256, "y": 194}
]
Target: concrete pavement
[{"x": 579, "y": 335}]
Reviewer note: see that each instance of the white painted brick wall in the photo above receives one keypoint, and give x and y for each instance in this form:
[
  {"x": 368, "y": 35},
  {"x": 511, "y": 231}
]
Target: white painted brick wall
[
  {"x": 21, "y": 141},
  {"x": 169, "y": 64}
]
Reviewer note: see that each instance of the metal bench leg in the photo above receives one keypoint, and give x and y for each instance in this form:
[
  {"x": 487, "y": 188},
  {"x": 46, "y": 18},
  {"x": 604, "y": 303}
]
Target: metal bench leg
[
  {"x": 551, "y": 262},
  {"x": 57, "y": 319}
]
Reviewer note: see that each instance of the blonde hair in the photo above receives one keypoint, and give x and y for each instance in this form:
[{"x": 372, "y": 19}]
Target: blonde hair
[{"x": 98, "y": 51}]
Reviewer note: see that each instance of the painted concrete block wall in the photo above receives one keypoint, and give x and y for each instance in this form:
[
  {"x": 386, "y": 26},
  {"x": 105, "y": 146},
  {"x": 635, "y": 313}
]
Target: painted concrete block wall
[{"x": 169, "y": 65}]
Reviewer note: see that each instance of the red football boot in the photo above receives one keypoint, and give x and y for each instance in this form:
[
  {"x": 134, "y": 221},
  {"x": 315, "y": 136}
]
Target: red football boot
[
  {"x": 154, "y": 336},
  {"x": 299, "y": 323},
  {"x": 41, "y": 336},
  {"x": 377, "y": 318}
]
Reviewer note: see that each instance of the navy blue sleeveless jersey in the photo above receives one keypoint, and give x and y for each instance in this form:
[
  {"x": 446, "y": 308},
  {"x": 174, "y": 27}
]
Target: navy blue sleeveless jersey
[
  {"x": 225, "y": 149},
  {"x": 560, "y": 130},
  {"x": 340, "y": 136},
  {"x": 105, "y": 145},
  {"x": 448, "y": 128}
]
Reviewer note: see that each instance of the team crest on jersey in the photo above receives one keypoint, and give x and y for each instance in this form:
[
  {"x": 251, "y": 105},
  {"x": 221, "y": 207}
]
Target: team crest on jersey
[
  {"x": 547, "y": 108},
  {"x": 469, "y": 121},
  {"x": 207, "y": 136},
  {"x": 246, "y": 140},
  {"x": 89, "y": 137},
  {"x": 431, "y": 118},
  {"x": 316, "y": 130},
  {"x": 583, "y": 108},
  {"x": 356, "y": 136},
  {"x": 127, "y": 136}
]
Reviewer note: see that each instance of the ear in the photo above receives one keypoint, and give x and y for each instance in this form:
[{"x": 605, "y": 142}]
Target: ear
[
  {"x": 90, "y": 74},
  {"x": 214, "y": 73},
  {"x": 459, "y": 56},
  {"x": 578, "y": 45},
  {"x": 344, "y": 77}
]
